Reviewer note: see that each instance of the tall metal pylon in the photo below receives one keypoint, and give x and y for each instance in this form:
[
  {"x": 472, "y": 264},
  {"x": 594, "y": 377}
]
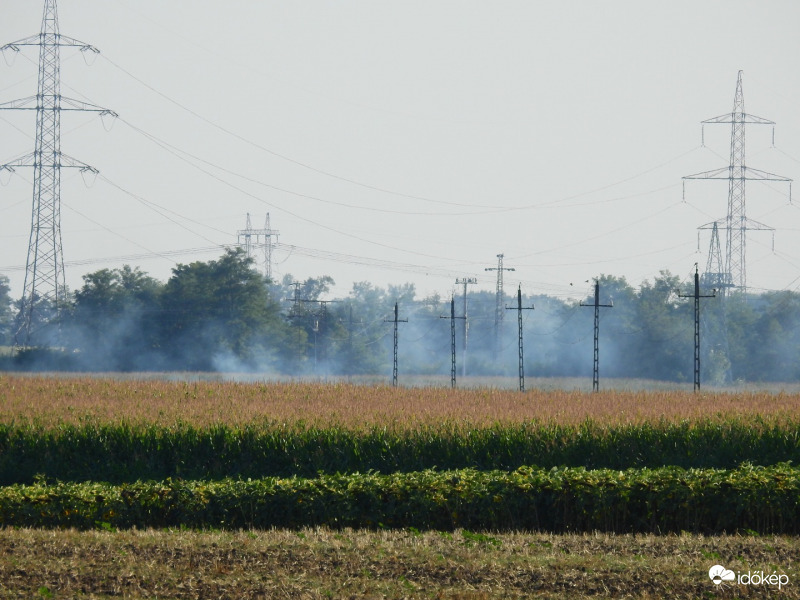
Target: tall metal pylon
[
  {"x": 254, "y": 239},
  {"x": 498, "y": 308},
  {"x": 736, "y": 223},
  {"x": 45, "y": 286},
  {"x": 715, "y": 276},
  {"x": 465, "y": 281}
]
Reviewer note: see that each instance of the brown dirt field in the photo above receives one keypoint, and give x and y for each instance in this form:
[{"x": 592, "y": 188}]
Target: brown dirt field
[{"x": 321, "y": 563}]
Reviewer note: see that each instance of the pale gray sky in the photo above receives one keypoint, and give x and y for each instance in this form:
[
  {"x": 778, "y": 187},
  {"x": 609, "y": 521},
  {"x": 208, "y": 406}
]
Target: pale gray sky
[{"x": 422, "y": 138}]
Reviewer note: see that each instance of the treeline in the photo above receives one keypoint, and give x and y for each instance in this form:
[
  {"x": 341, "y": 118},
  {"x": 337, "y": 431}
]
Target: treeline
[{"x": 223, "y": 315}]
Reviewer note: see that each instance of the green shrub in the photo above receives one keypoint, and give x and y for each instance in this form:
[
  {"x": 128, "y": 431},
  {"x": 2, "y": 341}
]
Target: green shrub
[{"x": 669, "y": 499}]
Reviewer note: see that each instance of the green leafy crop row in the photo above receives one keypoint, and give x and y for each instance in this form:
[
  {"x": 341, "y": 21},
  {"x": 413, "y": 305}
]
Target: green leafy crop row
[
  {"x": 118, "y": 452},
  {"x": 760, "y": 499}
]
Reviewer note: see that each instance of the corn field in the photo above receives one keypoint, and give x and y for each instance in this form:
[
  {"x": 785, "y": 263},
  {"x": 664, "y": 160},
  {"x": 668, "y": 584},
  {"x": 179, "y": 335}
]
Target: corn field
[{"x": 89, "y": 453}]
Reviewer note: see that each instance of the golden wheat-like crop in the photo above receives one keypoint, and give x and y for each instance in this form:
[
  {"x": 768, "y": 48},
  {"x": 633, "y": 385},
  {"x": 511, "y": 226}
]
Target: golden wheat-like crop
[{"x": 50, "y": 401}]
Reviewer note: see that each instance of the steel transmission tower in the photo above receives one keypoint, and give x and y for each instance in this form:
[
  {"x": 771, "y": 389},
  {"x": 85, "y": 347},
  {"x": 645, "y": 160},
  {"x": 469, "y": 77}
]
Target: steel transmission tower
[
  {"x": 465, "y": 281},
  {"x": 498, "y": 309},
  {"x": 254, "y": 239},
  {"x": 715, "y": 276},
  {"x": 45, "y": 287},
  {"x": 736, "y": 223}
]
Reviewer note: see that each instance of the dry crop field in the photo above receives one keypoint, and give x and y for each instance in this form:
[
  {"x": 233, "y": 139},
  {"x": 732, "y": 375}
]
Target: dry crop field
[
  {"x": 148, "y": 488},
  {"x": 54, "y": 401}
]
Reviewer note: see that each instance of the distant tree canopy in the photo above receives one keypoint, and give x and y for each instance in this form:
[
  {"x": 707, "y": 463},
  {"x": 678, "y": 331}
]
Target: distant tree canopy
[{"x": 223, "y": 315}]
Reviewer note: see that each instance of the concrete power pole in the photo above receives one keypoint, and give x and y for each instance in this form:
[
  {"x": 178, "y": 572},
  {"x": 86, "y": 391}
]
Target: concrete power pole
[
  {"x": 519, "y": 310},
  {"x": 453, "y": 318},
  {"x": 596, "y": 363},
  {"x": 396, "y": 320},
  {"x": 697, "y": 295}
]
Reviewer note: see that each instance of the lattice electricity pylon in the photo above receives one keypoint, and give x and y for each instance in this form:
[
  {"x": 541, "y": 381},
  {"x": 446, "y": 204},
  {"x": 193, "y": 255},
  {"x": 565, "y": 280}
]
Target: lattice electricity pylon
[
  {"x": 45, "y": 286},
  {"x": 715, "y": 276},
  {"x": 258, "y": 239},
  {"x": 737, "y": 174},
  {"x": 498, "y": 308}
]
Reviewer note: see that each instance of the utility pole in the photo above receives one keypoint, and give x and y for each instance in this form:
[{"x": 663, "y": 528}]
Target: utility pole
[
  {"x": 736, "y": 223},
  {"x": 45, "y": 285},
  {"x": 321, "y": 316},
  {"x": 519, "y": 310},
  {"x": 394, "y": 362},
  {"x": 453, "y": 318},
  {"x": 498, "y": 308},
  {"x": 253, "y": 239},
  {"x": 465, "y": 281},
  {"x": 697, "y": 297},
  {"x": 597, "y": 307}
]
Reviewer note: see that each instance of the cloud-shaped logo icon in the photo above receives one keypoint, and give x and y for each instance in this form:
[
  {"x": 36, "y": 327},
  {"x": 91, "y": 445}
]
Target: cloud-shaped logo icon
[{"x": 718, "y": 574}]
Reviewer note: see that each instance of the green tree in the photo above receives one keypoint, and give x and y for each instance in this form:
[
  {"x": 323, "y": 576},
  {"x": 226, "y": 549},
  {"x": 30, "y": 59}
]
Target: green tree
[
  {"x": 772, "y": 344},
  {"x": 220, "y": 314},
  {"x": 111, "y": 319},
  {"x": 665, "y": 348}
]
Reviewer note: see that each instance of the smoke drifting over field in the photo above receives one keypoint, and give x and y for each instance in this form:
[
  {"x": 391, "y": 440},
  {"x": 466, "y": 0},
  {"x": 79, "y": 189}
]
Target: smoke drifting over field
[{"x": 222, "y": 316}]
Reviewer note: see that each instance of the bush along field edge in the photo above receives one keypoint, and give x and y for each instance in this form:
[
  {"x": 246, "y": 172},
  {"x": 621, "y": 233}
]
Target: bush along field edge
[{"x": 750, "y": 499}]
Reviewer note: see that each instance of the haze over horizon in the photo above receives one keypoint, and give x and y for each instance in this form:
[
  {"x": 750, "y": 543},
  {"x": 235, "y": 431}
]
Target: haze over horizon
[{"x": 414, "y": 142}]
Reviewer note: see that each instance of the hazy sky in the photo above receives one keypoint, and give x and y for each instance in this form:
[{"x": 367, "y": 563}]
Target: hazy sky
[{"x": 412, "y": 141}]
